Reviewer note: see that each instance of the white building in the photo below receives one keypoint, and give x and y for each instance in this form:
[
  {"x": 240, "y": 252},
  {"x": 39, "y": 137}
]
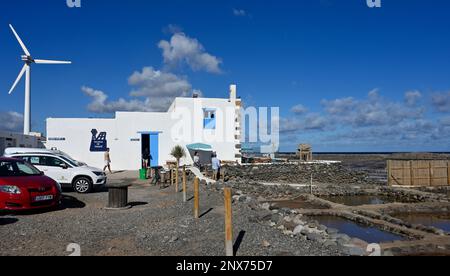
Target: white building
[
  {"x": 210, "y": 123},
  {"x": 19, "y": 140}
]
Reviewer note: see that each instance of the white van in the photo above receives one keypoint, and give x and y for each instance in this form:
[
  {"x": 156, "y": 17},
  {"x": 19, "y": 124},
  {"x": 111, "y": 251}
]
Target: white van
[{"x": 62, "y": 168}]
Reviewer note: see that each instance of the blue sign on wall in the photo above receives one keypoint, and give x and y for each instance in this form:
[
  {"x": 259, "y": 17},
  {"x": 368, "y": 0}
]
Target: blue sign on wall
[{"x": 98, "y": 142}]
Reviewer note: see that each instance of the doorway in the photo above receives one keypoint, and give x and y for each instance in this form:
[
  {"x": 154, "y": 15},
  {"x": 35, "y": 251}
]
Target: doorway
[
  {"x": 145, "y": 150},
  {"x": 150, "y": 149}
]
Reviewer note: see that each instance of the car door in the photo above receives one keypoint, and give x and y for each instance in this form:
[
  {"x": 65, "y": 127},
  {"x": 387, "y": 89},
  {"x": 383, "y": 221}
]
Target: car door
[
  {"x": 57, "y": 169},
  {"x": 36, "y": 161}
]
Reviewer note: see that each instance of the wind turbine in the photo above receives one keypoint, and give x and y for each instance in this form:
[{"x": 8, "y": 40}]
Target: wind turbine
[{"x": 27, "y": 71}]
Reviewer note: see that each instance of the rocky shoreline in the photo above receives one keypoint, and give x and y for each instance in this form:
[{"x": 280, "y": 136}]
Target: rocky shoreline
[{"x": 250, "y": 186}]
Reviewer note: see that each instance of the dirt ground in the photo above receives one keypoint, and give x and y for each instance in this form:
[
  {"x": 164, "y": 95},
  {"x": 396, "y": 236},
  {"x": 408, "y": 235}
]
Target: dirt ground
[{"x": 159, "y": 223}]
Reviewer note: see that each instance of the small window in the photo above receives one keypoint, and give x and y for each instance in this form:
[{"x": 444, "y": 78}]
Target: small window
[
  {"x": 33, "y": 160},
  {"x": 209, "y": 118}
]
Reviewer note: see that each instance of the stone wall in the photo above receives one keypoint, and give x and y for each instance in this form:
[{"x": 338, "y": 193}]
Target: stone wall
[{"x": 299, "y": 174}]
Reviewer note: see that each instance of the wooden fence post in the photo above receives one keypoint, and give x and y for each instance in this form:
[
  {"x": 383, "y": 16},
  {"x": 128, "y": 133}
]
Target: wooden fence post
[
  {"x": 184, "y": 184},
  {"x": 228, "y": 223},
  {"x": 448, "y": 173},
  {"x": 196, "y": 198},
  {"x": 411, "y": 172},
  {"x": 177, "y": 188},
  {"x": 431, "y": 172},
  {"x": 389, "y": 164}
]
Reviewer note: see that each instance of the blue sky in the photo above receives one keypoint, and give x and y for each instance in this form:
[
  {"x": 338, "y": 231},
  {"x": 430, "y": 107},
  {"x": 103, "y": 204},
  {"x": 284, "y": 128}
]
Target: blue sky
[{"x": 346, "y": 77}]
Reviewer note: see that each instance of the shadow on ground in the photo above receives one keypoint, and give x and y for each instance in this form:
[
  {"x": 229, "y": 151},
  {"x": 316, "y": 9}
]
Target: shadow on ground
[
  {"x": 238, "y": 242},
  {"x": 70, "y": 202},
  {"x": 135, "y": 204},
  {"x": 96, "y": 190},
  {"x": 5, "y": 221},
  {"x": 206, "y": 212}
]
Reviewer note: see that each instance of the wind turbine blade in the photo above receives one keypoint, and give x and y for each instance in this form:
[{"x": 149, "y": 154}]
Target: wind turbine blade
[
  {"x": 43, "y": 61},
  {"x": 20, "y": 41},
  {"x": 18, "y": 78}
]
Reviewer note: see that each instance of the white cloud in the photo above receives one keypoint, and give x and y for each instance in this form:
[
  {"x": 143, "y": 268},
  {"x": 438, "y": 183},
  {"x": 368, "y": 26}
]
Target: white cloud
[
  {"x": 299, "y": 109},
  {"x": 371, "y": 120},
  {"x": 158, "y": 90},
  {"x": 315, "y": 121},
  {"x": 155, "y": 90},
  {"x": 373, "y": 111},
  {"x": 11, "y": 121},
  {"x": 445, "y": 121},
  {"x": 441, "y": 102},
  {"x": 239, "y": 12},
  {"x": 412, "y": 97},
  {"x": 339, "y": 106},
  {"x": 172, "y": 29},
  {"x": 312, "y": 122},
  {"x": 155, "y": 83},
  {"x": 183, "y": 49},
  {"x": 100, "y": 103}
]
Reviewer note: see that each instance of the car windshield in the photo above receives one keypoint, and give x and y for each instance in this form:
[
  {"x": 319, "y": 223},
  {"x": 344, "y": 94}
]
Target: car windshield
[
  {"x": 70, "y": 161},
  {"x": 16, "y": 168}
]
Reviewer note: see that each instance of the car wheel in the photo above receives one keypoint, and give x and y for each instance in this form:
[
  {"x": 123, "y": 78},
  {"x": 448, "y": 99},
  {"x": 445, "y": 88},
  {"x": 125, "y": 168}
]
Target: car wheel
[{"x": 82, "y": 185}]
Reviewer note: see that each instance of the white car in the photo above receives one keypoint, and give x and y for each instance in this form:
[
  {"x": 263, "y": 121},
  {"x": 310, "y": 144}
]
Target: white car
[{"x": 62, "y": 168}]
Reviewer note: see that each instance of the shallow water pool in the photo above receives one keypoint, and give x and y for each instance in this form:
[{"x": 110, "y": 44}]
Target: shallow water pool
[
  {"x": 440, "y": 221},
  {"x": 359, "y": 200},
  {"x": 355, "y": 230}
]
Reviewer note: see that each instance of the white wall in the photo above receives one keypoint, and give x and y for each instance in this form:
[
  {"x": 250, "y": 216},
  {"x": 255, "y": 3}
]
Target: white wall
[{"x": 184, "y": 117}]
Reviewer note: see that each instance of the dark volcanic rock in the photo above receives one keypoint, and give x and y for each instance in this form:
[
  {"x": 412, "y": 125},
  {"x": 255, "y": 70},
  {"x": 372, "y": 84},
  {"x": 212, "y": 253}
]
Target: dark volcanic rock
[{"x": 294, "y": 173}]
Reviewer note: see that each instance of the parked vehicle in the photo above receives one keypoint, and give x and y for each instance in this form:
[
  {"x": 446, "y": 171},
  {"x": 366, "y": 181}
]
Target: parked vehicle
[
  {"x": 62, "y": 168},
  {"x": 24, "y": 187}
]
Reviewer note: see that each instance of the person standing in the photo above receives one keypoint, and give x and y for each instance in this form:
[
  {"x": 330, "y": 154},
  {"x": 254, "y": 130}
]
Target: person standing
[
  {"x": 107, "y": 158},
  {"x": 146, "y": 158},
  {"x": 197, "y": 160},
  {"x": 215, "y": 162}
]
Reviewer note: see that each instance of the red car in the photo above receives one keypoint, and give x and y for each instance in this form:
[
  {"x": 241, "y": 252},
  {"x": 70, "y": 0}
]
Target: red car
[{"x": 23, "y": 187}]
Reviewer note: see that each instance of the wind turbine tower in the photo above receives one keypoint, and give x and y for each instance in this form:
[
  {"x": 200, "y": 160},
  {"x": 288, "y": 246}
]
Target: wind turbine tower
[{"x": 28, "y": 60}]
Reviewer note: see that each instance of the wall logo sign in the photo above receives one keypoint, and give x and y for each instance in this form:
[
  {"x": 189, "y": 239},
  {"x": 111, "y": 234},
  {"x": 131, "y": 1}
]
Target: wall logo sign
[{"x": 98, "y": 142}]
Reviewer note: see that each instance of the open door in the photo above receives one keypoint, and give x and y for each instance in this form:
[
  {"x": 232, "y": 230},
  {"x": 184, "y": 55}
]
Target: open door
[
  {"x": 150, "y": 147},
  {"x": 154, "y": 150},
  {"x": 145, "y": 149}
]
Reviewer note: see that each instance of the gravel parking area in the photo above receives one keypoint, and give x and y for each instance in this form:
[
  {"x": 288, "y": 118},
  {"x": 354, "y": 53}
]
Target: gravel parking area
[{"x": 158, "y": 224}]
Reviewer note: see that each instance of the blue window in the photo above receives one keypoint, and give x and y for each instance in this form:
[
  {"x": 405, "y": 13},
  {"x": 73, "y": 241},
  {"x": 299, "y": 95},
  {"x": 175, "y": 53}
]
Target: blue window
[{"x": 209, "y": 118}]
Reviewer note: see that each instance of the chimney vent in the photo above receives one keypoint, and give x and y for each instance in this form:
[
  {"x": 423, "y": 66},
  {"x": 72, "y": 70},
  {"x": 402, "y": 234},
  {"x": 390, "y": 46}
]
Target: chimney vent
[{"x": 233, "y": 93}]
